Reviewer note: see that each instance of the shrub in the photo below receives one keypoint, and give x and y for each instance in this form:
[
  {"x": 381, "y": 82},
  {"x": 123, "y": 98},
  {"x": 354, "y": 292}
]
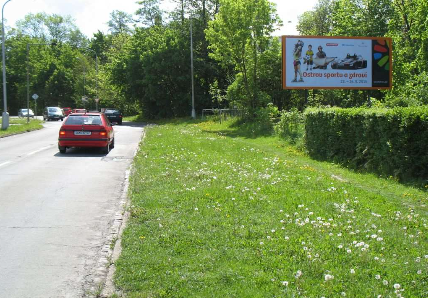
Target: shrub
[
  {"x": 391, "y": 142},
  {"x": 290, "y": 126}
]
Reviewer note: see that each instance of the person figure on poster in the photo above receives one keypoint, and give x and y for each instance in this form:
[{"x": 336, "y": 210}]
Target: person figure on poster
[
  {"x": 296, "y": 61},
  {"x": 320, "y": 53},
  {"x": 309, "y": 57}
]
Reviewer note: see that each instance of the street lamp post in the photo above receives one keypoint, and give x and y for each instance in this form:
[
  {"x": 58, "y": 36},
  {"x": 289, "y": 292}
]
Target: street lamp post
[
  {"x": 28, "y": 74},
  {"x": 5, "y": 115}
]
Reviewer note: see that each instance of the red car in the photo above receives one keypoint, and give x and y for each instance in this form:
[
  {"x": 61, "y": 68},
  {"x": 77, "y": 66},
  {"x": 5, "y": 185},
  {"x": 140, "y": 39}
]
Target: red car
[
  {"x": 67, "y": 111},
  {"x": 86, "y": 130},
  {"x": 79, "y": 111}
]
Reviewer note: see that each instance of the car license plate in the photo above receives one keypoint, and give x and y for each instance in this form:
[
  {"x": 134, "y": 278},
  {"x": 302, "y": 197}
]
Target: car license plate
[{"x": 82, "y": 133}]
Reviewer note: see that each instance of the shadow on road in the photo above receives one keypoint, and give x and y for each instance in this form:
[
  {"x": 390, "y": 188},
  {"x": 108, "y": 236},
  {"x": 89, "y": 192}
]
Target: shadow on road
[{"x": 81, "y": 152}]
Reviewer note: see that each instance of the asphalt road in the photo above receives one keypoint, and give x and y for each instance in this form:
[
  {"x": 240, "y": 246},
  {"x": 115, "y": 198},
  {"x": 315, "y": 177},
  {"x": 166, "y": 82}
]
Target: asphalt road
[{"x": 57, "y": 212}]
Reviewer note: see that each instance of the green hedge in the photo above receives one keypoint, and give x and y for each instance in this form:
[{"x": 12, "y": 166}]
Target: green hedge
[{"x": 391, "y": 142}]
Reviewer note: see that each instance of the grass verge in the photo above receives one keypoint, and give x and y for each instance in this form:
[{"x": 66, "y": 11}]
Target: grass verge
[
  {"x": 17, "y": 126},
  {"x": 218, "y": 214}
]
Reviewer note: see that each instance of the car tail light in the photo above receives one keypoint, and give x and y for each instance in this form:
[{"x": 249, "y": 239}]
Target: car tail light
[
  {"x": 62, "y": 132},
  {"x": 103, "y": 133}
]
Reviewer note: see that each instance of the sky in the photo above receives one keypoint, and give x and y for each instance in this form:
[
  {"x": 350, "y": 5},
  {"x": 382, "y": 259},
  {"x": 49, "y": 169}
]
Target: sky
[{"x": 93, "y": 15}]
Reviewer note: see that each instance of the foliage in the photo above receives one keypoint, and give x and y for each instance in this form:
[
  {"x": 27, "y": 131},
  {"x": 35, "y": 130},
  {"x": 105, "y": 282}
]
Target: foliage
[
  {"x": 405, "y": 21},
  {"x": 238, "y": 36},
  {"x": 290, "y": 126},
  {"x": 51, "y": 28},
  {"x": 119, "y": 22},
  {"x": 386, "y": 141}
]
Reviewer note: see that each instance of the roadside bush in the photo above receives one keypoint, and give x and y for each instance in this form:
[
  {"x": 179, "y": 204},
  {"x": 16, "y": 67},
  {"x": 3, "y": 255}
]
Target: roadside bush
[
  {"x": 291, "y": 126},
  {"x": 391, "y": 142},
  {"x": 260, "y": 121}
]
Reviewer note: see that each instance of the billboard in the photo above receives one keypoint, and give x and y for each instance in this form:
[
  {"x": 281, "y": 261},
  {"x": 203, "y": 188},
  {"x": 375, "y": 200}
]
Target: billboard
[{"x": 319, "y": 62}]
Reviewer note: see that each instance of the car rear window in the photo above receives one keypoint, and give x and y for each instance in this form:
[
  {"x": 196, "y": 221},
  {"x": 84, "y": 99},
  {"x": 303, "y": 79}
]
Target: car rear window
[
  {"x": 83, "y": 120},
  {"x": 52, "y": 110}
]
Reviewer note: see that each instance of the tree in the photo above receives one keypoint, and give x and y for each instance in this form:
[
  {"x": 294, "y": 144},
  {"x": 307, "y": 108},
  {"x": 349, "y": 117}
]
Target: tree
[
  {"x": 316, "y": 22},
  {"x": 119, "y": 22},
  {"x": 149, "y": 14},
  {"x": 50, "y": 28},
  {"x": 238, "y": 36}
]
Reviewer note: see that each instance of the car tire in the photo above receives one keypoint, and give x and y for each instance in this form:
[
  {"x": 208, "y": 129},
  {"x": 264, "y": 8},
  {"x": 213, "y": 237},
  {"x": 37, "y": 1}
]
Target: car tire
[
  {"x": 106, "y": 149},
  {"x": 120, "y": 122},
  {"x": 62, "y": 149},
  {"x": 112, "y": 145}
]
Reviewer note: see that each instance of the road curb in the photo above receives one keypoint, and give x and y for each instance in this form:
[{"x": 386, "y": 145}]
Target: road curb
[{"x": 108, "y": 288}]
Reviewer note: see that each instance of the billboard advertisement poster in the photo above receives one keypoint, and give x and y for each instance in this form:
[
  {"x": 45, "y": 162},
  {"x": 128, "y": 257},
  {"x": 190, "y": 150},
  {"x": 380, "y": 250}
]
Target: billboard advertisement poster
[{"x": 319, "y": 62}]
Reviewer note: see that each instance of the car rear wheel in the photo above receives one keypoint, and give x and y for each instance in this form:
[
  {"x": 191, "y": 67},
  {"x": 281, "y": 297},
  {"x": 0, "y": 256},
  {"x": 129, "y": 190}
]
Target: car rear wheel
[
  {"x": 112, "y": 145},
  {"x": 106, "y": 149},
  {"x": 62, "y": 149}
]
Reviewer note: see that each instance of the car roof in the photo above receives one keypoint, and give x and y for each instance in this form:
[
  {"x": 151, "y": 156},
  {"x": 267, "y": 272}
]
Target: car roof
[{"x": 85, "y": 114}]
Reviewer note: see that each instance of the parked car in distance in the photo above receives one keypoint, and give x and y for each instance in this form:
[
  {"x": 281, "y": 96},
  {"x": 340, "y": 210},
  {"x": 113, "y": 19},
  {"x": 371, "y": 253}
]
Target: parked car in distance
[
  {"x": 114, "y": 115},
  {"x": 53, "y": 113},
  {"x": 86, "y": 130},
  {"x": 79, "y": 111},
  {"x": 25, "y": 113},
  {"x": 67, "y": 111}
]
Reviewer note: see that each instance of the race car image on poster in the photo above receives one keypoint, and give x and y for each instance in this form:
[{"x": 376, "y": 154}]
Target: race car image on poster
[{"x": 350, "y": 62}]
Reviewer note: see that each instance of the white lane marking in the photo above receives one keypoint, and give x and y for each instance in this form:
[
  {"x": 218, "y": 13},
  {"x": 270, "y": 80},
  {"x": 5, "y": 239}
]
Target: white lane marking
[
  {"x": 5, "y": 163},
  {"x": 37, "y": 151}
]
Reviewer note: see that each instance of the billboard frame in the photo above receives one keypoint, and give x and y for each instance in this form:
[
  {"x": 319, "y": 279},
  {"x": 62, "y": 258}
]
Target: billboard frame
[{"x": 283, "y": 37}]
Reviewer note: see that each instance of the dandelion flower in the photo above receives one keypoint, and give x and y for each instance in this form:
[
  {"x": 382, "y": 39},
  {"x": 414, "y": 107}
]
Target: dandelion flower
[
  {"x": 397, "y": 286},
  {"x": 352, "y": 271},
  {"x": 385, "y": 282},
  {"x": 298, "y": 274},
  {"x": 328, "y": 277},
  {"x": 377, "y": 276},
  {"x": 285, "y": 283}
]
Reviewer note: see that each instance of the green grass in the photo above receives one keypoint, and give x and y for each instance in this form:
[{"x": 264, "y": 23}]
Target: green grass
[
  {"x": 135, "y": 118},
  {"x": 216, "y": 213},
  {"x": 17, "y": 126}
]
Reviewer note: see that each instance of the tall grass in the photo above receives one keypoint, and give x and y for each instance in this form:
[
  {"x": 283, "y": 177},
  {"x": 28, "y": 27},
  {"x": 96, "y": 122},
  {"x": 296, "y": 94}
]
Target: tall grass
[{"x": 216, "y": 213}]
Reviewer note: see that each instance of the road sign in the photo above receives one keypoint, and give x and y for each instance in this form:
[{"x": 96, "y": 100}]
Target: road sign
[{"x": 35, "y": 96}]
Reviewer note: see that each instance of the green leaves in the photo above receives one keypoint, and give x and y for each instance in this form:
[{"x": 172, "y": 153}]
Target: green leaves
[
  {"x": 389, "y": 142},
  {"x": 238, "y": 36}
]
